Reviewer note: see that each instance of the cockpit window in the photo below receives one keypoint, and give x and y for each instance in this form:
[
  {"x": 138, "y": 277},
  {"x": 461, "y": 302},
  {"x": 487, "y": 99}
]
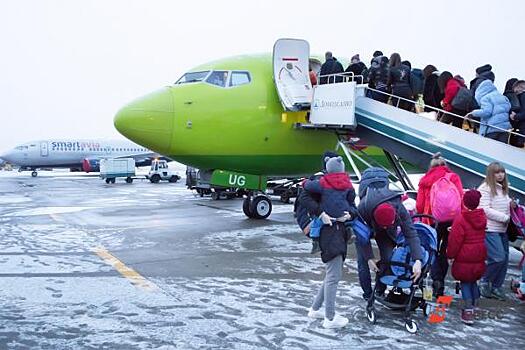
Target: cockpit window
[
  {"x": 240, "y": 78},
  {"x": 192, "y": 77},
  {"x": 218, "y": 78},
  {"x": 21, "y": 148}
]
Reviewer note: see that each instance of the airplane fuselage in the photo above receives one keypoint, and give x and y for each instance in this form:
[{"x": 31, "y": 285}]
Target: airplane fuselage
[
  {"x": 240, "y": 128},
  {"x": 68, "y": 153}
]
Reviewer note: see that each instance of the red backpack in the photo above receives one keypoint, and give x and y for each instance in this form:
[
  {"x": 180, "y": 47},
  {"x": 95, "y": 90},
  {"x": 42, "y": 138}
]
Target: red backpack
[{"x": 445, "y": 199}]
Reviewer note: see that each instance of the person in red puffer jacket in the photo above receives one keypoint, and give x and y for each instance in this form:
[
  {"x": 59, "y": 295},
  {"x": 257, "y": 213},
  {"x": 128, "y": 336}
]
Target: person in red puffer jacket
[
  {"x": 450, "y": 87},
  {"x": 438, "y": 169},
  {"x": 466, "y": 245}
]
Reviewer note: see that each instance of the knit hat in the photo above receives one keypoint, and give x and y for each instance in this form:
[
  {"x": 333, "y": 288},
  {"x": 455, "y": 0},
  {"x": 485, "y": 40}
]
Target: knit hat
[
  {"x": 355, "y": 57},
  {"x": 328, "y": 154},
  {"x": 377, "y": 53},
  {"x": 485, "y": 68},
  {"x": 335, "y": 165},
  {"x": 471, "y": 199},
  {"x": 384, "y": 215}
]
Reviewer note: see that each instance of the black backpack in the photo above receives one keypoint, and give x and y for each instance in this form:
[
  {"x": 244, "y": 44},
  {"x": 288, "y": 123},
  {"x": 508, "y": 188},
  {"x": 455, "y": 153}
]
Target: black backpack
[{"x": 463, "y": 100}]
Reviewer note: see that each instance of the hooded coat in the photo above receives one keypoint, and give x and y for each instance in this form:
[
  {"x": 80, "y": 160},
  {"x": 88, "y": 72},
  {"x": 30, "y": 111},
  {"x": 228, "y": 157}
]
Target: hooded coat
[
  {"x": 494, "y": 109},
  {"x": 466, "y": 245},
  {"x": 425, "y": 185}
]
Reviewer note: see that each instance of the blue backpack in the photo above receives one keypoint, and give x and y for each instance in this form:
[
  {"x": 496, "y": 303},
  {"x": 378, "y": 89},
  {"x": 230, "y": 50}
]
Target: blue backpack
[{"x": 362, "y": 231}]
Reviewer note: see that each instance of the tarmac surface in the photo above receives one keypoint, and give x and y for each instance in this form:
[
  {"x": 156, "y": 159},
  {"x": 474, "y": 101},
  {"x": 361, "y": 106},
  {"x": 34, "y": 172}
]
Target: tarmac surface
[{"x": 86, "y": 265}]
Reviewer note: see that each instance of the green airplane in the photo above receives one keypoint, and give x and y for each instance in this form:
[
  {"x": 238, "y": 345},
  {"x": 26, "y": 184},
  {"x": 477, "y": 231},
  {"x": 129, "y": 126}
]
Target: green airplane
[{"x": 227, "y": 116}]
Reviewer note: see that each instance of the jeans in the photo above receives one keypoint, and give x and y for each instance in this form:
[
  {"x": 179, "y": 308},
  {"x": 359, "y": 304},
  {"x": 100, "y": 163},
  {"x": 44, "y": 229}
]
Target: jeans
[
  {"x": 328, "y": 291},
  {"x": 469, "y": 293},
  {"x": 497, "y": 244},
  {"x": 386, "y": 247},
  {"x": 365, "y": 279},
  {"x": 439, "y": 269}
]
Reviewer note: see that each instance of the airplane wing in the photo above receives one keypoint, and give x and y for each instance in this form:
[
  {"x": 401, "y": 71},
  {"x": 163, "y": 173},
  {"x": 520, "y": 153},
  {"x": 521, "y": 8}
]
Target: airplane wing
[{"x": 144, "y": 159}]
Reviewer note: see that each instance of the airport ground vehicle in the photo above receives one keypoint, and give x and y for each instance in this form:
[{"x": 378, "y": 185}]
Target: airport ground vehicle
[
  {"x": 200, "y": 181},
  {"x": 112, "y": 168},
  {"x": 285, "y": 188},
  {"x": 159, "y": 171}
]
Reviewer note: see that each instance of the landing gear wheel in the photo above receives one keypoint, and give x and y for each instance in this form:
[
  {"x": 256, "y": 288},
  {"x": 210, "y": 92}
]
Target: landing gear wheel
[
  {"x": 129, "y": 180},
  {"x": 246, "y": 207},
  {"x": 411, "y": 326},
  {"x": 261, "y": 207},
  {"x": 112, "y": 180},
  {"x": 174, "y": 178},
  {"x": 215, "y": 196},
  {"x": 155, "y": 178},
  {"x": 107, "y": 181},
  {"x": 34, "y": 173},
  {"x": 371, "y": 315}
]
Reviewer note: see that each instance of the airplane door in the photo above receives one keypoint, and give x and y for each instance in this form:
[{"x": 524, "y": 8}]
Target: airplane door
[
  {"x": 290, "y": 73},
  {"x": 44, "y": 151}
]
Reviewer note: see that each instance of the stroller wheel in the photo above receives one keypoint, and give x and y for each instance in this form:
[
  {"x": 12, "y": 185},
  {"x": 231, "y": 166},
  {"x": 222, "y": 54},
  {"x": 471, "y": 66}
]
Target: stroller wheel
[
  {"x": 371, "y": 315},
  {"x": 411, "y": 327}
]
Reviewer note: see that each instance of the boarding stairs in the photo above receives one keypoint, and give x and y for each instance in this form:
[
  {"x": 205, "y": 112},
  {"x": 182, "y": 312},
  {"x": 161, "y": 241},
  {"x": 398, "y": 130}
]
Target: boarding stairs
[{"x": 344, "y": 107}]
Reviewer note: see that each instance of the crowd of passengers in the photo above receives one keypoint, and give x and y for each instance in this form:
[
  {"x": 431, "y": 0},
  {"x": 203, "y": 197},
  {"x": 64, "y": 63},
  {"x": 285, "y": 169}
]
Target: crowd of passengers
[
  {"x": 473, "y": 232},
  {"x": 480, "y": 107}
]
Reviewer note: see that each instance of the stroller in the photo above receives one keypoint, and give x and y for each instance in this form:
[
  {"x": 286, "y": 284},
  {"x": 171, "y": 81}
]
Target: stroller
[{"x": 399, "y": 276}]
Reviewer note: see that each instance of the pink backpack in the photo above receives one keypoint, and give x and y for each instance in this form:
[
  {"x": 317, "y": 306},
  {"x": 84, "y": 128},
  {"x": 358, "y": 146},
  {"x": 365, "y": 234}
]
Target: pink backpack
[
  {"x": 445, "y": 200},
  {"x": 518, "y": 218}
]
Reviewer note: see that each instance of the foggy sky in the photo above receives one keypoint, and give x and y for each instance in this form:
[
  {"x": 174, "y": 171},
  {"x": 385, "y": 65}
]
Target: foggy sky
[{"x": 68, "y": 66}]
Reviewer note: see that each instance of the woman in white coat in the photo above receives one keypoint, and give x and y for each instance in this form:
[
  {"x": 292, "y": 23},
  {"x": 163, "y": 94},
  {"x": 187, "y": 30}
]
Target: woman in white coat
[{"x": 496, "y": 202}]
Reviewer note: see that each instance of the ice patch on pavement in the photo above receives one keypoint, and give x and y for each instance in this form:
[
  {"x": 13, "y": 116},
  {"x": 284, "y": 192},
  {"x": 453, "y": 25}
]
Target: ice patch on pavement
[{"x": 47, "y": 211}]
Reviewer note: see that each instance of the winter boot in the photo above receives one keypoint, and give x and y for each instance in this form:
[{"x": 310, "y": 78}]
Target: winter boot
[
  {"x": 485, "y": 290},
  {"x": 499, "y": 293},
  {"x": 316, "y": 248},
  {"x": 467, "y": 316}
]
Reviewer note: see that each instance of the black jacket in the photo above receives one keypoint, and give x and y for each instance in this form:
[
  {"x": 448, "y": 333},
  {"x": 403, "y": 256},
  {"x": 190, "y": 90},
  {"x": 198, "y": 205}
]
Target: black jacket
[
  {"x": 333, "y": 239},
  {"x": 359, "y": 69},
  {"x": 399, "y": 80},
  {"x": 514, "y": 100},
  {"x": 331, "y": 66},
  {"x": 520, "y": 114},
  {"x": 431, "y": 93},
  {"x": 378, "y": 75},
  {"x": 474, "y": 83},
  {"x": 307, "y": 207}
]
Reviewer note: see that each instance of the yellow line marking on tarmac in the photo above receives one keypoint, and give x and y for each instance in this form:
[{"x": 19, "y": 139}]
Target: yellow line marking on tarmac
[{"x": 133, "y": 276}]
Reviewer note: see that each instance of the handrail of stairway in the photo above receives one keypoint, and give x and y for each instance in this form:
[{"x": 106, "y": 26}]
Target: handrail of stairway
[
  {"x": 349, "y": 76},
  {"x": 346, "y": 76},
  {"x": 445, "y": 112}
]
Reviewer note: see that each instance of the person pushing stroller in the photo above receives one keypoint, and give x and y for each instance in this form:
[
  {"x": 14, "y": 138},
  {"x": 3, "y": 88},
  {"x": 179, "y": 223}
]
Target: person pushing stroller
[{"x": 384, "y": 212}]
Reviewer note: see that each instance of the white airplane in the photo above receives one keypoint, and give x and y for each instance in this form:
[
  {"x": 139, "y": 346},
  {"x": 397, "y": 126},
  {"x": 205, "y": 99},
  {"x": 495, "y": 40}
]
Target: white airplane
[{"x": 78, "y": 155}]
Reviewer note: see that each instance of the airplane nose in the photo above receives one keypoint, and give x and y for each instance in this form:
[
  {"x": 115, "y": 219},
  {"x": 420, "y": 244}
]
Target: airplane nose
[{"x": 148, "y": 120}]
